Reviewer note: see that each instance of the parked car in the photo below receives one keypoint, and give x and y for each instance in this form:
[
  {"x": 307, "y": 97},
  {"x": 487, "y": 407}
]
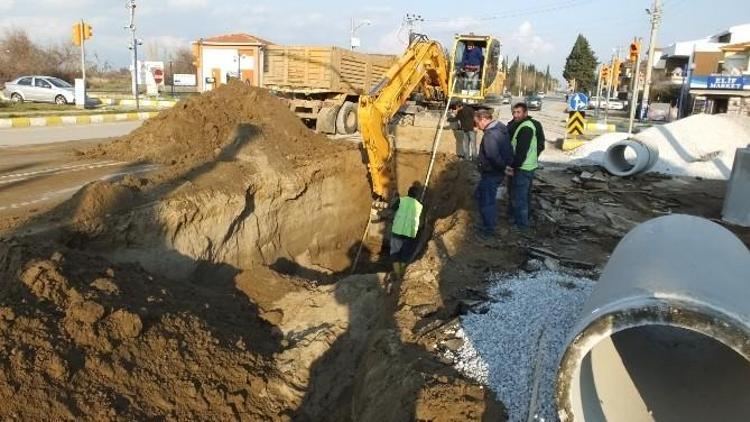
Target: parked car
[
  {"x": 534, "y": 102},
  {"x": 614, "y": 103},
  {"x": 46, "y": 89}
]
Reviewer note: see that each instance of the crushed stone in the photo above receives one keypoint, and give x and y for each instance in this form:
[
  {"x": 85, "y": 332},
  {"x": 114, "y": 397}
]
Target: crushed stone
[
  {"x": 701, "y": 145},
  {"x": 514, "y": 347}
]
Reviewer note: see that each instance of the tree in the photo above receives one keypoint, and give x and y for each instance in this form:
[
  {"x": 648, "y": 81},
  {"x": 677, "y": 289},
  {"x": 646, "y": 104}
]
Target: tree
[
  {"x": 581, "y": 65},
  {"x": 547, "y": 80}
]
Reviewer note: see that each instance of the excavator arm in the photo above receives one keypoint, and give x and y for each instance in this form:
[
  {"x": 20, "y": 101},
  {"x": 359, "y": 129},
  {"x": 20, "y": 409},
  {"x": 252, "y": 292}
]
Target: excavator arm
[{"x": 423, "y": 64}]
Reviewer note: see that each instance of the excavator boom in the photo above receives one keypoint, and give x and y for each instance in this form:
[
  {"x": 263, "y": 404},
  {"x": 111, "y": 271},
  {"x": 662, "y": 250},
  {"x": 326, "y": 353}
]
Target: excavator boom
[{"x": 425, "y": 64}]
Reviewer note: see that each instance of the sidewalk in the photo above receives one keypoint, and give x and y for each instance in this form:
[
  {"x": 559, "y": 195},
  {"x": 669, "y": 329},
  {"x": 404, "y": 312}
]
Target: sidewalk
[{"x": 81, "y": 119}]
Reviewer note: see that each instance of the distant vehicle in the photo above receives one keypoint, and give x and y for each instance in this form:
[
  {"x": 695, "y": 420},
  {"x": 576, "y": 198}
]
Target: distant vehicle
[
  {"x": 614, "y": 103},
  {"x": 507, "y": 98},
  {"x": 47, "y": 89},
  {"x": 541, "y": 94},
  {"x": 534, "y": 102}
]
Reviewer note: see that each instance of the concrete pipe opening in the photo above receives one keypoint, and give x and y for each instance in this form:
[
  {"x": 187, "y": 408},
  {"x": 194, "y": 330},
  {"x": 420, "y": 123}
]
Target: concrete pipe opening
[
  {"x": 662, "y": 373},
  {"x": 665, "y": 334},
  {"x": 629, "y": 157}
]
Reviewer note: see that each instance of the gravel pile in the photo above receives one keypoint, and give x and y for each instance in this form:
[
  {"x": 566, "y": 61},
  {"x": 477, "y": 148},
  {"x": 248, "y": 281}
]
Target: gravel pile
[
  {"x": 514, "y": 348},
  {"x": 701, "y": 145}
]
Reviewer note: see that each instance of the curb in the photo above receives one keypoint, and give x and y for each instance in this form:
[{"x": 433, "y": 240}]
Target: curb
[
  {"x": 143, "y": 103},
  {"x": 20, "y": 122},
  {"x": 600, "y": 127}
]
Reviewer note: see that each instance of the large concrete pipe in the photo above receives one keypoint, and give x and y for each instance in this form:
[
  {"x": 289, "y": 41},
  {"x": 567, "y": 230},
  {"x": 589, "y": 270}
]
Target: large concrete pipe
[
  {"x": 665, "y": 335},
  {"x": 737, "y": 200},
  {"x": 642, "y": 157}
]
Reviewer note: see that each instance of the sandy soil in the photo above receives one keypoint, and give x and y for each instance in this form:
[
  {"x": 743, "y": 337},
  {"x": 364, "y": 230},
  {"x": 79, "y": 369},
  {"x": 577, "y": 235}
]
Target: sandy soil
[{"x": 219, "y": 287}]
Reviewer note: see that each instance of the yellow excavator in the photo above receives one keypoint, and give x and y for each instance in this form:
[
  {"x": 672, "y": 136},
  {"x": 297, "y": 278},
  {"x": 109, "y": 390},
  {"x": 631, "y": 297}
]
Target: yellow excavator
[{"x": 424, "y": 68}]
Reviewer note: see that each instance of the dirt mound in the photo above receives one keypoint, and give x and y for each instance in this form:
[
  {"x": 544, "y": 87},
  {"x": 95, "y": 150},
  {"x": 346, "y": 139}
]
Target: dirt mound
[{"x": 200, "y": 129}]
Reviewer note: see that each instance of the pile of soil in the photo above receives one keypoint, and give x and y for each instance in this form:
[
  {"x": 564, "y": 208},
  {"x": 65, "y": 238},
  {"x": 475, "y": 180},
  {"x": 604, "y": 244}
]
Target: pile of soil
[
  {"x": 214, "y": 288},
  {"x": 201, "y": 128}
]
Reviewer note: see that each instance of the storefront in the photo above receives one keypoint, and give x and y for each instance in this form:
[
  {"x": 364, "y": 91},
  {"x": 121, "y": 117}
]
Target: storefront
[{"x": 717, "y": 94}]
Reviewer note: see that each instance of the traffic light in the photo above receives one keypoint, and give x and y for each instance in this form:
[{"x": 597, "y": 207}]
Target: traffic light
[
  {"x": 616, "y": 71},
  {"x": 88, "y": 32},
  {"x": 77, "y": 34},
  {"x": 635, "y": 50},
  {"x": 605, "y": 73}
]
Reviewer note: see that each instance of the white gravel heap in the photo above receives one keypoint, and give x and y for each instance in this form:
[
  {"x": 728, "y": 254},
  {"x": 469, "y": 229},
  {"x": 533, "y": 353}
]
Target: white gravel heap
[
  {"x": 702, "y": 145},
  {"x": 515, "y": 347}
]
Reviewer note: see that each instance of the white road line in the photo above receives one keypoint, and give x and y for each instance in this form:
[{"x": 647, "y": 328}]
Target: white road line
[
  {"x": 17, "y": 177},
  {"x": 50, "y": 195}
]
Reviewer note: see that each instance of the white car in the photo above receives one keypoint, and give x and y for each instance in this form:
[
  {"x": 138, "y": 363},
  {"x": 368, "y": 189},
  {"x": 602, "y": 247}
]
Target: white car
[
  {"x": 614, "y": 103},
  {"x": 46, "y": 89}
]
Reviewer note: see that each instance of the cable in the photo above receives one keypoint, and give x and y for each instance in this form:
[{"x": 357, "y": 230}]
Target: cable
[{"x": 517, "y": 13}]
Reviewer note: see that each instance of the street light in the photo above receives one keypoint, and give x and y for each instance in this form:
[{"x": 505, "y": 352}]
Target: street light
[
  {"x": 238, "y": 58},
  {"x": 354, "y": 41}
]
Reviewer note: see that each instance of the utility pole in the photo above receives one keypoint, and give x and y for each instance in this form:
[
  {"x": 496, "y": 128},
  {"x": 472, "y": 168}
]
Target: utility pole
[
  {"x": 133, "y": 46},
  {"x": 610, "y": 81},
  {"x": 636, "y": 78},
  {"x": 519, "y": 70},
  {"x": 599, "y": 90},
  {"x": 83, "y": 52},
  {"x": 411, "y": 21},
  {"x": 655, "y": 22}
]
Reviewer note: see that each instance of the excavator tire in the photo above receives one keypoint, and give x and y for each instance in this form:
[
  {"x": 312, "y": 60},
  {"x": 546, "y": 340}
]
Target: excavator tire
[{"x": 347, "y": 122}]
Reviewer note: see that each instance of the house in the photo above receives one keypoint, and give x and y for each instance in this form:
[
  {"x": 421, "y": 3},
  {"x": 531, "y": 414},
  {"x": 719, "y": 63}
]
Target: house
[
  {"x": 221, "y": 58},
  {"x": 728, "y": 89},
  {"x": 697, "y": 57}
]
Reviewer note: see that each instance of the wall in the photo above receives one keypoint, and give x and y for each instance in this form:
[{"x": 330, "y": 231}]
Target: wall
[
  {"x": 225, "y": 58},
  {"x": 706, "y": 63}
]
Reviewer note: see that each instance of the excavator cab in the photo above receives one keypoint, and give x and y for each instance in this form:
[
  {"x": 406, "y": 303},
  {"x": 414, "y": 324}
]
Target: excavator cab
[{"x": 476, "y": 63}]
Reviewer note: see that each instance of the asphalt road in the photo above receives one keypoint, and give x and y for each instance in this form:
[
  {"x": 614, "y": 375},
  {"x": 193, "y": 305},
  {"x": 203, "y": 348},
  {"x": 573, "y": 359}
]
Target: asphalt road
[
  {"x": 46, "y": 169},
  {"x": 52, "y": 134}
]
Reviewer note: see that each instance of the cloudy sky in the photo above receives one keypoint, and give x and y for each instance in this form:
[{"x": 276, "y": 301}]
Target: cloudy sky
[{"x": 541, "y": 31}]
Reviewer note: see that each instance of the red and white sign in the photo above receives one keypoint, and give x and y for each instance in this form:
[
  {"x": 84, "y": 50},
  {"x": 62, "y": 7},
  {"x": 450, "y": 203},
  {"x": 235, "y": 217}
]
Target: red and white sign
[{"x": 158, "y": 75}]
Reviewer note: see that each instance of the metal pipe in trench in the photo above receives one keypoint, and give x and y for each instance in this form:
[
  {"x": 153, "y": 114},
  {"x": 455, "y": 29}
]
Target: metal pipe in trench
[{"x": 665, "y": 334}]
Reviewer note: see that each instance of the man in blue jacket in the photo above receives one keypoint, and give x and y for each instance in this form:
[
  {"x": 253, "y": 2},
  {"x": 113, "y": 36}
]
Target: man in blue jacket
[{"x": 495, "y": 153}]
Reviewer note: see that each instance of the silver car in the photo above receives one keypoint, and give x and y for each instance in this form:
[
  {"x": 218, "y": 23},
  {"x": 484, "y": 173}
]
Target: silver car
[{"x": 46, "y": 89}]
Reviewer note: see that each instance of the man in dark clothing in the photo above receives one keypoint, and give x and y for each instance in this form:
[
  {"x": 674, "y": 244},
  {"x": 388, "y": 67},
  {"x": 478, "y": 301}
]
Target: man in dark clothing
[
  {"x": 465, "y": 118},
  {"x": 471, "y": 65},
  {"x": 495, "y": 154},
  {"x": 526, "y": 134}
]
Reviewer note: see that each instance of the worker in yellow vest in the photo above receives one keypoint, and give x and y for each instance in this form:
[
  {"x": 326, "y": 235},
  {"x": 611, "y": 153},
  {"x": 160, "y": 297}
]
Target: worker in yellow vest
[
  {"x": 525, "y": 136},
  {"x": 404, "y": 229}
]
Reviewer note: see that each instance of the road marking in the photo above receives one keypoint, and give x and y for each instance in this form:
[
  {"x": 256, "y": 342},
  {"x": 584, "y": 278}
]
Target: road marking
[
  {"x": 51, "y": 195},
  {"x": 17, "y": 177}
]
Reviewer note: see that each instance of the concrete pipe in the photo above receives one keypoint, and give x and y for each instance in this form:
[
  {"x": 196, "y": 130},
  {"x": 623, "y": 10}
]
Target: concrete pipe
[
  {"x": 665, "y": 334},
  {"x": 618, "y": 159}
]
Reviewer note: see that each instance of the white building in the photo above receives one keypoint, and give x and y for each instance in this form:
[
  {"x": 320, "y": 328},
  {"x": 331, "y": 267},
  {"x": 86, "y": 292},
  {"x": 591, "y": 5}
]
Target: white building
[{"x": 221, "y": 58}]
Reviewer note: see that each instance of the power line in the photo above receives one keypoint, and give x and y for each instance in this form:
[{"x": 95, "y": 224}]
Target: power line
[{"x": 521, "y": 12}]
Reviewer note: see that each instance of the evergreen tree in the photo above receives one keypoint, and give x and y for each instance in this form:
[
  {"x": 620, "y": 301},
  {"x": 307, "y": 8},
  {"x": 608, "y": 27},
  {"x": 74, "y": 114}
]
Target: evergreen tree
[
  {"x": 581, "y": 65},
  {"x": 547, "y": 79}
]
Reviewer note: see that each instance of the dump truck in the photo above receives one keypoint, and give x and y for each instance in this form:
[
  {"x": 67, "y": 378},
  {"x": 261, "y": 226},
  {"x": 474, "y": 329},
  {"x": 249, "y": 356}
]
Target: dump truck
[{"x": 323, "y": 84}]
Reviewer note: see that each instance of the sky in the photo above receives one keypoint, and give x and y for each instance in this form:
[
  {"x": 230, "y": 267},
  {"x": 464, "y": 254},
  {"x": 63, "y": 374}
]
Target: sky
[{"x": 541, "y": 32}]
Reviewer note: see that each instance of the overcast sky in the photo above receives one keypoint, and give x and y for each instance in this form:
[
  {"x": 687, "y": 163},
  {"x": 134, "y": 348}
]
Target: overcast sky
[{"x": 541, "y": 31}]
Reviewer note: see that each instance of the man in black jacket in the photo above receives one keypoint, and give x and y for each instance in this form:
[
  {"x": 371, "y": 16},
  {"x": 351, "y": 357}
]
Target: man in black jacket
[
  {"x": 465, "y": 118},
  {"x": 495, "y": 154},
  {"x": 527, "y": 141}
]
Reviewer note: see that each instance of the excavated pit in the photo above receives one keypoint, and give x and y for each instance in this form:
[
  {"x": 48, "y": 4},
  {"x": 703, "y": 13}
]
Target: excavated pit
[{"x": 215, "y": 288}]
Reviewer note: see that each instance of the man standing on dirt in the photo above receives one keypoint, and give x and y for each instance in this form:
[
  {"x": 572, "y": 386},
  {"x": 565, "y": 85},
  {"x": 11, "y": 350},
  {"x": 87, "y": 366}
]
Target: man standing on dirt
[
  {"x": 525, "y": 138},
  {"x": 404, "y": 229},
  {"x": 465, "y": 118},
  {"x": 495, "y": 154}
]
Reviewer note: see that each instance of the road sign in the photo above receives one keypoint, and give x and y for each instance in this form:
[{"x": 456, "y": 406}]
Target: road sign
[
  {"x": 578, "y": 102},
  {"x": 158, "y": 76},
  {"x": 576, "y": 122}
]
